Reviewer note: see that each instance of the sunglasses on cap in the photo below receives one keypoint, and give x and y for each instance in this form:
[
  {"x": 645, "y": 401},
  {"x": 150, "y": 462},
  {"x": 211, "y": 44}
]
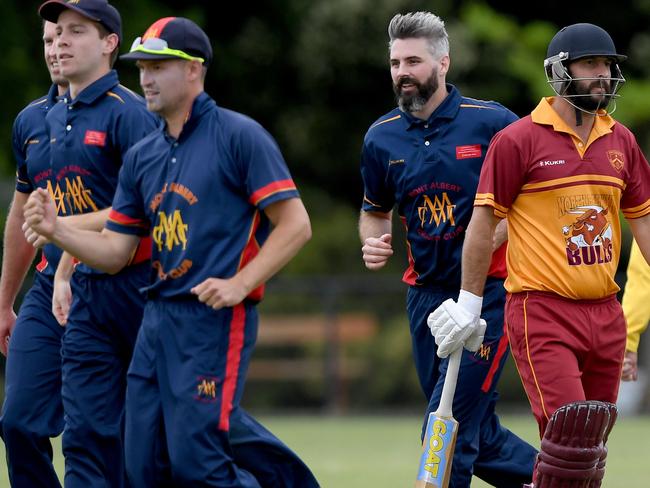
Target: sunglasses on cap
[{"x": 155, "y": 45}]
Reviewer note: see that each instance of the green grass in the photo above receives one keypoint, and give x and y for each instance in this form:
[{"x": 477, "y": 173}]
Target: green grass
[{"x": 382, "y": 451}]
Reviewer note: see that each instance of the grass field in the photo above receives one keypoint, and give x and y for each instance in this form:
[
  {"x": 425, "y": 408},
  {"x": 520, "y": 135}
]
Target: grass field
[{"x": 382, "y": 451}]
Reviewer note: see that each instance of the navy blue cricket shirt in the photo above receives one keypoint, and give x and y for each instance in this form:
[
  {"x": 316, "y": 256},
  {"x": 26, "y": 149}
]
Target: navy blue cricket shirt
[
  {"x": 430, "y": 169},
  {"x": 31, "y": 147},
  {"x": 89, "y": 137},
  {"x": 201, "y": 197}
]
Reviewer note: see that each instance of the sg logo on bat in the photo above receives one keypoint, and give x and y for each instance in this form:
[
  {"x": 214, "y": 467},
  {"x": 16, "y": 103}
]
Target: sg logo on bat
[{"x": 437, "y": 452}]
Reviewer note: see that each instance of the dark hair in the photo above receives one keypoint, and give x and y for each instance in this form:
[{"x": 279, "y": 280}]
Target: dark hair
[{"x": 103, "y": 32}]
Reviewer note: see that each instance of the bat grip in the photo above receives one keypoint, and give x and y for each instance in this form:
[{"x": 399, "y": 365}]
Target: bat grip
[{"x": 449, "y": 388}]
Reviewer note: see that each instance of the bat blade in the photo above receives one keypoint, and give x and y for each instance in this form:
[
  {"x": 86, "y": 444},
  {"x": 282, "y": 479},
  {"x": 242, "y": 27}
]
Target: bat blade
[
  {"x": 437, "y": 452},
  {"x": 440, "y": 436}
]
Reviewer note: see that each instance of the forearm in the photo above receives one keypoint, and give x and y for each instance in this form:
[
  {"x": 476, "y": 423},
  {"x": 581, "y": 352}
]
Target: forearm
[
  {"x": 105, "y": 250},
  {"x": 500, "y": 234},
  {"x": 283, "y": 243},
  {"x": 65, "y": 268},
  {"x": 89, "y": 221},
  {"x": 641, "y": 230},
  {"x": 374, "y": 224},
  {"x": 636, "y": 298},
  {"x": 477, "y": 250},
  {"x": 17, "y": 254}
]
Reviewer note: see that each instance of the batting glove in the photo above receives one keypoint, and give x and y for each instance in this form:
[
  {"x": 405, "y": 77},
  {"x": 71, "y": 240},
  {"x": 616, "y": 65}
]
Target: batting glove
[
  {"x": 455, "y": 324},
  {"x": 475, "y": 340}
]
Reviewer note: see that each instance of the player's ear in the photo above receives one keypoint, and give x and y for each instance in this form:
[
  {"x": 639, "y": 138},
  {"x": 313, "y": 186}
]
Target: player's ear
[
  {"x": 194, "y": 70},
  {"x": 112, "y": 41},
  {"x": 444, "y": 65}
]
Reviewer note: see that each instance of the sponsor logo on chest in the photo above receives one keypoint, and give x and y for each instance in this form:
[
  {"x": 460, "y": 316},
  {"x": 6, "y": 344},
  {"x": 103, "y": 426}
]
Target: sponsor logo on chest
[{"x": 95, "y": 138}]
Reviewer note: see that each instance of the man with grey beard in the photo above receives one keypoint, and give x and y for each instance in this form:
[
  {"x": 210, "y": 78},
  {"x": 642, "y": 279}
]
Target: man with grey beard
[{"x": 425, "y": 157}]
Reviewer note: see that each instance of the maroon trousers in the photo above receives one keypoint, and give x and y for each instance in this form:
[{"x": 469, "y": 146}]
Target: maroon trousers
[{"x": 565, "y": 350}]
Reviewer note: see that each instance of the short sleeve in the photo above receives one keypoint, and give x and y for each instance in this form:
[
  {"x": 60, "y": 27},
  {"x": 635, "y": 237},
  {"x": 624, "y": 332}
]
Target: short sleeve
[
  {"x": 23, "y": 184},
  {"x": 377, "y": 197},
  {"x": 635, "y": 201},
  {"x": 502, "y": 175},
  {"x": 127, "y": 215},
  {"x": 264, "y": 171}
]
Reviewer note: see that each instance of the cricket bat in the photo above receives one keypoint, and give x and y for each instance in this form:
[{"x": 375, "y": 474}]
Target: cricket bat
[{"x": 440, "y": 436}]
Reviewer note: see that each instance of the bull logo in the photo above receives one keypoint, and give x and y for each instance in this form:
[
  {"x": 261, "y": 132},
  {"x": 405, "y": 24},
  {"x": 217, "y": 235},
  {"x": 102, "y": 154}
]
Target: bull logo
[
  {"x": 616, "y": 159},
  {"x": 589, "y": 237}
]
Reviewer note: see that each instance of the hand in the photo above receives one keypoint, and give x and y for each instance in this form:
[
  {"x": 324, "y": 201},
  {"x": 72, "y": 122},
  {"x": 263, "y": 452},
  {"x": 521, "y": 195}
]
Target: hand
[
  {"x": 458, "y": 324},
  {"x": 475, "y": 340},
  {"x": 33, "y": 237},
  {"x": 218, "y": 293},
  {"x": 61, "y": 300},
  {"x": 7, "y": 324},
  {"x": 40, "y": 215},
  {"x": 630, "y": 370},
  {"x": 376, "y": 251}
]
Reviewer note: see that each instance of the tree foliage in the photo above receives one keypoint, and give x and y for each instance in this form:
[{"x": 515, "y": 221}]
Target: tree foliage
[{"x": 315, "y": 73}]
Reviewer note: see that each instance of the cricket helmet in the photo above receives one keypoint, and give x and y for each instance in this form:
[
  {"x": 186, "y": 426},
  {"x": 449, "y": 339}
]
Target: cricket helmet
[{"x": 575, "y": 42}]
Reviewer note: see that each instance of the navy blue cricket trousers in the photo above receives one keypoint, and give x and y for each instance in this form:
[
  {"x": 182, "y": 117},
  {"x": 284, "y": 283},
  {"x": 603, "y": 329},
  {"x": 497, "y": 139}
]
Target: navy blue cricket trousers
[
  {"x": 98, "y": 343},
  {"x": 32, "y": 410},
  {"x": 184, "y": 425},
  {"x": 484, "y": 447}
]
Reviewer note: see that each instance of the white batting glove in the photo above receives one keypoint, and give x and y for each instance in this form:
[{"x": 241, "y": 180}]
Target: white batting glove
[
  {"x": 453, "y": 323},
  {"x": 475, "y": 340}
]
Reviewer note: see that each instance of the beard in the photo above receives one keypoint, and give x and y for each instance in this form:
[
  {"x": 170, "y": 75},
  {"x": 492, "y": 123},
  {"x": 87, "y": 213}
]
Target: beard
[
  {"x": 423, "y": 91},
  {"x": 581, "y": 96}
]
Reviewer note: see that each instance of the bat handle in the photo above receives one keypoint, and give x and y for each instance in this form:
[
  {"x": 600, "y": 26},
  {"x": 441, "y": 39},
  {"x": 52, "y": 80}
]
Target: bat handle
[{"x": 449, "y": 388}]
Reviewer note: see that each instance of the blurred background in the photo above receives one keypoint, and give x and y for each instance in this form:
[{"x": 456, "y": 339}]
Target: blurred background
[{"x": 334, "y": 336}]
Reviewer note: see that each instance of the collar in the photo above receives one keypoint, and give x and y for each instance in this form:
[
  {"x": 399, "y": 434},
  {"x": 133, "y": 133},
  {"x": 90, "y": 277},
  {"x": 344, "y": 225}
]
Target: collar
[
  {"x": 96, "y": 89},
  {"x": 545, "y": 114},
  {"x": 52, "y": 96},
  {"x": 448, "y": 109},
  {"x": 202, "y": 104}
]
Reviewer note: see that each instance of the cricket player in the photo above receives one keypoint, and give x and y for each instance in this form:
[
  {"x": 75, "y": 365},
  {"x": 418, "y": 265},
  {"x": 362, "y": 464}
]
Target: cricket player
[
  {"x": 425, "y": 158},
  {"x": 560, "y": 176},
  {"x": 32, "y": 410},
  {"x": 636, "y": 308},
  {"x": 212, "y": 189},
  {"x": 90, "y": 130}
]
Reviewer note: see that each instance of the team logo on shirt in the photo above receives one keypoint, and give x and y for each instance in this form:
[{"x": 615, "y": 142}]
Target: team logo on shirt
[
  {"x": 589, "y": 237},
  {"x": 616, "y": 159},
  {"x": 170, "y": 231},
  {"x": 70, "y": 194},
  {"x": 438, "y": 209},
  {"x": 206, "y": 389}
]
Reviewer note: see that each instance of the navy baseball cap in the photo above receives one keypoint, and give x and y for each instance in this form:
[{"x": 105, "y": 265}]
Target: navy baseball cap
[
  {"x": 96, "y": 10},
  {"x": 172, "y": 38}
]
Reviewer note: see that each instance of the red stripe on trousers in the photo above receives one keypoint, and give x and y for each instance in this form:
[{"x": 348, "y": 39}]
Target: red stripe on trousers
[
  {"x": 501, "y": 350},
  {"x": 235, "y": 345}
]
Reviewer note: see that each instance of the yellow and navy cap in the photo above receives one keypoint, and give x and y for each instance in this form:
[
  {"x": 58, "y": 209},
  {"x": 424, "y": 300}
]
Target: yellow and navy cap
[{"x": 180, "y": 34}]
